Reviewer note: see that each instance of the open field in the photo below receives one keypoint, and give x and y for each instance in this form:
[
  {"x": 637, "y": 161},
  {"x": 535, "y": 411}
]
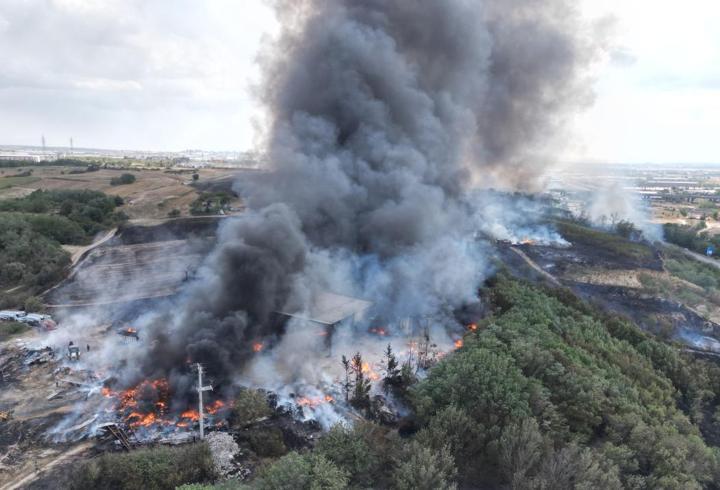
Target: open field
[
  {"x": 153, "y": 195},
  {"x": 17, "y": 182}
]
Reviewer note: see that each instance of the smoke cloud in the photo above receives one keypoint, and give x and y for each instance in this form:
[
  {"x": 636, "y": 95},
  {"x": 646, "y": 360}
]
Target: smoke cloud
[{"x": 381, "y": 116}]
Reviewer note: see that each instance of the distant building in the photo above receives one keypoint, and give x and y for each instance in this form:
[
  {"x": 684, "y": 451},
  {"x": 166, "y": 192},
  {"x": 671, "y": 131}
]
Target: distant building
[
  {"x": 21, "y": 157},
  {"x": 28, "y": 156}
]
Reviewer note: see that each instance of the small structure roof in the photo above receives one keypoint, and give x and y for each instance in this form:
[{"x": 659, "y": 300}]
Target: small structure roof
[{"x": 331, "y": 308}]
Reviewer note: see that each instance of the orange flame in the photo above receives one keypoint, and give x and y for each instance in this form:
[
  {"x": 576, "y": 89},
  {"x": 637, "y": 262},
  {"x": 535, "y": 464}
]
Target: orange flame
[
  {"x": 314, "y": 402},
  {"x": 459, "y": 343},
  {"x": 155, "y": 414},
  {"x": 367, "y": 370},
  {"x": 213, "y": 408},
  {"x": 143, "y": 420},
  {"x": 191, "y": 415},
  {"x": 257, "y": 346},
  {"x": 473, "y": 327},
  {"x": 379, "y": 331}
]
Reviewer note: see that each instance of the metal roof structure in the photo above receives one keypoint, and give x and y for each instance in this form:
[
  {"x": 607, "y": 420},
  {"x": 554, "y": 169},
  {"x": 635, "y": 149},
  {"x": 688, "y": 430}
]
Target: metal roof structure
[{"x": 331, "y": 308}]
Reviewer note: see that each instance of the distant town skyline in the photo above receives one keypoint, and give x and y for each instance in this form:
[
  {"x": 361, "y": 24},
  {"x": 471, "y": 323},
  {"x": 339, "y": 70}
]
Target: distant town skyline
[{"x": 172, "y": 75}]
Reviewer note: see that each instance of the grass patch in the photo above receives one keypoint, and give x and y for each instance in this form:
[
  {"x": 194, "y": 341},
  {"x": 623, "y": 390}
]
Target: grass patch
[
  {"x": 8, "y": 182},
  {"x": 698, "y": 273},
  {"x": 10, "y": 329}
]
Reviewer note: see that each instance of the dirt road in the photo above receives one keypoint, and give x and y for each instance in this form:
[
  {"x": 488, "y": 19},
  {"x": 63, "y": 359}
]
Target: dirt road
[
  {"x": 536, "y": 267},
  {"x": 31, "y": 475},
  {"x": 702, "y": 258},
  {"x": 80, "y": 253}
]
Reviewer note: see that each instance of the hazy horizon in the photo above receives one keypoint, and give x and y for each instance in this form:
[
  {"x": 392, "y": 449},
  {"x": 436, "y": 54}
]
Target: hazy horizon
[{"x": 171, "y": 76}]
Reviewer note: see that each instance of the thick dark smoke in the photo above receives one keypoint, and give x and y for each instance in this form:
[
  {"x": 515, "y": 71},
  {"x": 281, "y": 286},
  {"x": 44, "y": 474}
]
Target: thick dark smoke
[{"x": 382, "y": 114}]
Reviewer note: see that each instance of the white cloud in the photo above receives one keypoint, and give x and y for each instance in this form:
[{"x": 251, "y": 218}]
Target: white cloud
[
  {"x": 130, "y": 73},
  {"x": 171, "y": 74},
  {"x": 662, "y": 104}
]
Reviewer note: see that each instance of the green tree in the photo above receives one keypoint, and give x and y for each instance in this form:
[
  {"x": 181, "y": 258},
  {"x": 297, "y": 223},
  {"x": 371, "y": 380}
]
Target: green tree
[
  {"x": 520, "y": 449},
  {"x": 423, "y": 468},
  {"x": 455, "y": 430},
  {"x": 575, "y": 468},
  {"x": 302, "y": 472},
  {"x": 124, "y": 179},
  {"x": 347, "y": 383},
  {"x": 362, "y": 385},
  {"x": 249, "y": 405},
  {"x": 34, "y": 305},
  {"x": 392, "y": 372},
  {"x": 351, "y": 452}
]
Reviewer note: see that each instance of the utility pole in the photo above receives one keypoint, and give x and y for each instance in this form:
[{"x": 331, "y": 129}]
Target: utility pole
[{"x": 200, "y": 389}]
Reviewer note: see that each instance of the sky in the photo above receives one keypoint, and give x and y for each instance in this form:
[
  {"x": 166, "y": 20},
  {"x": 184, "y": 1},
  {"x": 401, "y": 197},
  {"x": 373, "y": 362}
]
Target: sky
[{"x": 177, "y": 74}]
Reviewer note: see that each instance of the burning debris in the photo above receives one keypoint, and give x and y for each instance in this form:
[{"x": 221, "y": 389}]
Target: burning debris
[
  {"x": 129, "y": 332},
  {"x": 147, "y": 406}
]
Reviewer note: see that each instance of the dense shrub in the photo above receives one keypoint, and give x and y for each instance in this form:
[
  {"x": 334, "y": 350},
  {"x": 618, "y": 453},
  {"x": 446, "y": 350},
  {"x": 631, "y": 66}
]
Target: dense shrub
[
  {"x": 250, "y": 405},
  {"x": 9, "y": 329},
  {"x": 302, "y": 472},
  {"x": 146, "y": 469},
  {"x": 124, "y": 179},
  {"x": 556, "y": 380},
  {"x": 267, "y": 442},
  {"x": 33, "y": 227},
  {"x": 688, "y": 237},
  {"x": 27, "y": 256},
  {"x": 422, "y": 468}
]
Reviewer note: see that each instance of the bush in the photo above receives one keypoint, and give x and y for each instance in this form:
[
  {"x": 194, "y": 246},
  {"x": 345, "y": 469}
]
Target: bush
[
  {"x": 58, "y": 228},
  {"x": 250, "y": 405},
  {"x": 28, "y": 257},
  {"x": 351, "y": 452},
  {"x": 302, "y": 472},
  {"x": 9, "y": 329},
  {"x": 688, "y": 237},
  {"x": 34, "y": 305},
  {"x": 422, "y": 468},
  {"x": 175, "y": 213},
  {"x": 454, "y": 430},
  {"x": 147, "y": 469},
  {"x": 124, "y": 179},
  {"x": 210, "y": 203},
  {"x": 267, "y": 443}
]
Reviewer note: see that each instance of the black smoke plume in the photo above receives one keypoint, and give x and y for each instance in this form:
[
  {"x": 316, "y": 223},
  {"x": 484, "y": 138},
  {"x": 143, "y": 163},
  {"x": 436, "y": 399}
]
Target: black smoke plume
[{"x": 381, "y": 115}]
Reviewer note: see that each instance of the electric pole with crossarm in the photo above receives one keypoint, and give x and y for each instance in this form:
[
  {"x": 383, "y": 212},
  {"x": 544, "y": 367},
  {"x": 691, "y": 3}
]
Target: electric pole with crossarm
[{"x": 200, "y": 389}]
